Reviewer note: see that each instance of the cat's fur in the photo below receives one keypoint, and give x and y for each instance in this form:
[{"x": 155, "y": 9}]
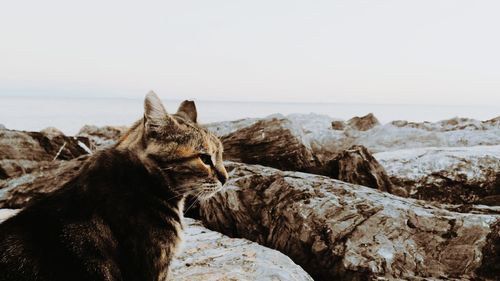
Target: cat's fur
[{"x": 120, "y": 218}]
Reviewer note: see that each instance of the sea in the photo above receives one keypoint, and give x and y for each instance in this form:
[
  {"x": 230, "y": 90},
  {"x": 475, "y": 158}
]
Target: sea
[{"x": 70, "y": 114}]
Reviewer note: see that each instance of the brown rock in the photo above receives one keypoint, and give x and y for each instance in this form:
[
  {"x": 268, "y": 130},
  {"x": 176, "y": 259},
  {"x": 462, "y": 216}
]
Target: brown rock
[
  {"x": 340, "y": 231},
  {"x": 272, "y": 142},
  {"x": 22, "y": 152},
  {"x": 50, "y": 176},
  {"x": 363, "y": 123},
  {"x": 338, "y": 125},
  {"x": 357, "y": 165}
]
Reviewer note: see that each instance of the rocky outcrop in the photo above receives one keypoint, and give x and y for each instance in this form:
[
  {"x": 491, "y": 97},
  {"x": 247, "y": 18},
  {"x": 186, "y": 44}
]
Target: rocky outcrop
[
  {"x": 453, "y": 124},
  {"x": 338, "y": 125},
  {"x": 210, "y": 256},
  {"x": 18, "y": 192},
  {"x": 275, "y": 142},
  {"x": 325, "y": 142},
  {"x": 340, "y": 231},
  {"x": 22, "y": 152},
  {"x": 357, "y": 165},
  {"x": 363, "y": 123},
  {"x": 459, "y": 175},
  {"x": 102, "y": 137}
]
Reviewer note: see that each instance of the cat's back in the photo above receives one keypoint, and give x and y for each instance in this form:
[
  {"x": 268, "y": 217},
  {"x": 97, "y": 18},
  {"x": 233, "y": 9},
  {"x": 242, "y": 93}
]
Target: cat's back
[{"x": 66, "y": 235}]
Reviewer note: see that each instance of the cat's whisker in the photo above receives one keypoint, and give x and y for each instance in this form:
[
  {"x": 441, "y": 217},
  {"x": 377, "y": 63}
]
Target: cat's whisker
[{"x": 196, "y": 199}]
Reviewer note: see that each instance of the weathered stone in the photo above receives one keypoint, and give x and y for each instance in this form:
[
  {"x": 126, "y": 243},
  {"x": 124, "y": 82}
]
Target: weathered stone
[
  {"x": 338, "y": 125},
  {"x": 17, "y": 192},
  {"x": 363, "y": 123},
  {"x": 275, "y": 142},
  {"x": 357, "y": 165},
  {"x": 340, "y": 231},
  {"x": 22, "y": 152},
  {"x": 52, "y": 132},
  {"x": 490, "y": 267},
  {"x": 210, "y": 256},
  {"x": 102, "y": 137},
  {"x": 317, "y": 133},
  {"x": 459, "y": 175}
]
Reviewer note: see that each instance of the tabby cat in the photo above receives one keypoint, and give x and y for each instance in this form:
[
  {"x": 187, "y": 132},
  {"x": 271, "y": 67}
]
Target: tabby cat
[{"x": 120, "y": 218}]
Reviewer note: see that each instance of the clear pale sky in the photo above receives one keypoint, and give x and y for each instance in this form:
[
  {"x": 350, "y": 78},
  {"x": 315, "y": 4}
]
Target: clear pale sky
[{"x": 392, "y": 51}]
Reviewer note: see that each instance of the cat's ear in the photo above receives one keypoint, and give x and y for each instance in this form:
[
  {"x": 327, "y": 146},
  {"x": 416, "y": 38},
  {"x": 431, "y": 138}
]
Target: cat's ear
[
  {"x": 154, "y": 113},
  {"x": 187, "y": 110}
]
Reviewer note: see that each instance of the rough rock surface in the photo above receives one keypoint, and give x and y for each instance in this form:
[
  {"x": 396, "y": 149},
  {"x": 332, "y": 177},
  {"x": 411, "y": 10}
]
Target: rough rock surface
[
  {"x": 211, "y": 256},
  {"x": 102, "y": 137},
  {"x": 452, "y": 124},
  {"x": 17, "y": 192},
  {"x": 338, "y": 125},
  {"x": 363, "y": 123},
  {"x": 275, "y": 142},
  {"x": 22, "y": 152},
  {"x": 457, "y": 175},
  {"x": 356, "y": 165},
  {"x": 340, "y": 231}
]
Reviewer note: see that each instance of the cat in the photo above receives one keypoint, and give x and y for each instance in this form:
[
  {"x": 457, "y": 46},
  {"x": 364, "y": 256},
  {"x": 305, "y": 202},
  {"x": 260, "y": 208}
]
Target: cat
[{"x": 121, "y": 217}]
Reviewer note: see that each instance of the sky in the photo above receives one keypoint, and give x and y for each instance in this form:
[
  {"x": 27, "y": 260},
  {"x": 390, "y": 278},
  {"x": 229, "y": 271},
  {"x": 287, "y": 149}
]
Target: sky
[{"x": 384, "y": 51}]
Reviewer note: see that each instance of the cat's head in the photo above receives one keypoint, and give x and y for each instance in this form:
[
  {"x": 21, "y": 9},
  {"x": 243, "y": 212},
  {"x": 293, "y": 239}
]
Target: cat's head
[{"x": 188, "y": 155}]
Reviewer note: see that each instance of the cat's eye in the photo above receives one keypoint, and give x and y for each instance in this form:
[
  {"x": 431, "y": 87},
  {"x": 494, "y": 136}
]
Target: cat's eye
[{"x": 207, "y": 159}]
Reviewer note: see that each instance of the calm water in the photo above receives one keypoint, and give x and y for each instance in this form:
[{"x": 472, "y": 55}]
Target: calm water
[{"x": 70, "y": 114}]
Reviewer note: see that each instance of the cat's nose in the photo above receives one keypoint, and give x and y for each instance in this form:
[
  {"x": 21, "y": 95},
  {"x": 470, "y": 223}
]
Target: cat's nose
[{"x": 222, "y": 176}]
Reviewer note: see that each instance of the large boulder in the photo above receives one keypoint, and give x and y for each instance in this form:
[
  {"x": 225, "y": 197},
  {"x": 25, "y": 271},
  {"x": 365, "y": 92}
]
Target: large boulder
[
  {"x": 22, "y": 152},
  {"x": 459, "y": 175},
  {"x": 210, "y": 256},
  {"x": 363, "y": 123},
  {"x": 341, "y": 231},
  {"x": 274, "y": 142},
  {"x": 19, "y": 191},
  {"x": 357, "y": 165}
]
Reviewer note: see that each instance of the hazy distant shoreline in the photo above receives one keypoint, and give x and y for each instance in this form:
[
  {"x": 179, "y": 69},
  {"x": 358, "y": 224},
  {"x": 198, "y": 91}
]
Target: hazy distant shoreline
[{"x": 70, "y": 114}]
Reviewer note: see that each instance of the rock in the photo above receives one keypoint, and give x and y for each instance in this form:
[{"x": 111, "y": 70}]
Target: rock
[
  {"x": 52, "y": 132},
  {"x": 338, "y": 125},
  {"x": 225, "y": 128},
  {"x": 341, "y": 231},
  {"x": 209, "y": 256},
  {"x": 17, "y": 192},
  {"x": 102, "y": 137},
  {"x": 490, "y": 268},
  {"x": 453, "y": 124},
  {"x": 458, "y": 175},
  {"x": 356, "y": 165},
  {"x": 2, "y": 127},
  {"x": 275, "y": 142},
  {"x": 22, "y": 152},
  {"x": 316, "y": 133},
  {"x": 363, "y": 123}
]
